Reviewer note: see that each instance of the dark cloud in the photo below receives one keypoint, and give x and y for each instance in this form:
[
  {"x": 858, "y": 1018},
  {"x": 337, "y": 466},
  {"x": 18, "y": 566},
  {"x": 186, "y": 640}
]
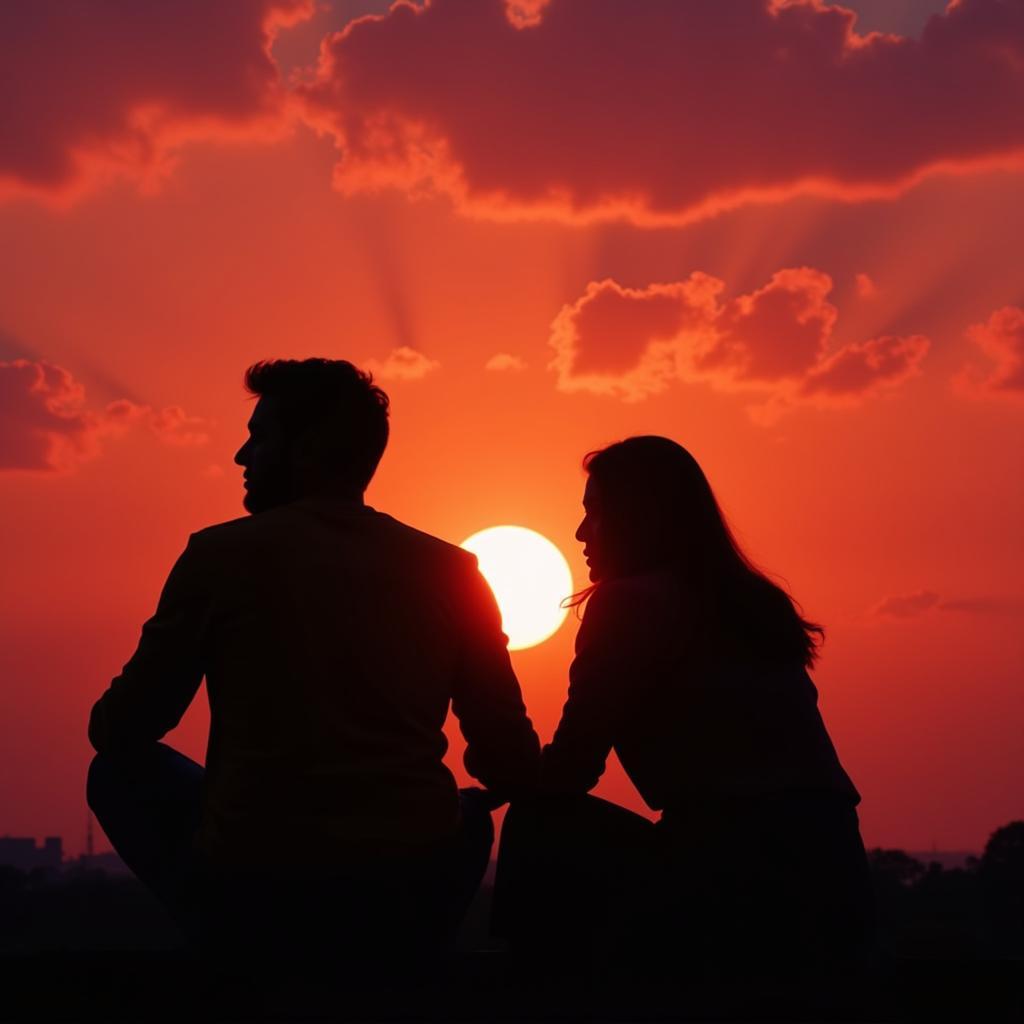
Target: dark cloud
[
  {"x": 46, "y": 426},
  {"x": 42, "y": 424},
  {"x": 908, "y": 606},
  {"x": 112, "y": 86},
  {"x": 663, "y": 111}
]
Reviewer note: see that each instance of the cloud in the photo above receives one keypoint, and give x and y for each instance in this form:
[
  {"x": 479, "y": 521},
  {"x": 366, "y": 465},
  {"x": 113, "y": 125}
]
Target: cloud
[
  {"x": 990, "y": 605},
  {"x": 112, "y": 88},
  {"x": 525, "y": 13},
  {"x": 861, "y": 369},
  {"x": 174, "y": 426},
  {"x": 42, "y": 425},
  {"x": 1001, "y": 338},
  {"x": 775, "y": 342},
  {"x": 866, "y": 287},
  {"x": 45, "y": 425},
  {"x": 663, "y": 112},
  {"x": 777, "y": 331},
  {"x": 503, "y": 362},
  {"x": 402, "y": 363},
  {"x": 908, "y": 606}
]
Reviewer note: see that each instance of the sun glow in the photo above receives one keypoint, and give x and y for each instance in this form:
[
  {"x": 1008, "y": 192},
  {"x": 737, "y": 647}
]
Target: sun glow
[{"x": 529, "y": 577}]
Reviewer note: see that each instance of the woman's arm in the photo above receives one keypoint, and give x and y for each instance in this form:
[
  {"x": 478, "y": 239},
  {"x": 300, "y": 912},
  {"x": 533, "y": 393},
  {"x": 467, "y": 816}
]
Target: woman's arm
[{"x": 613, "y": 652}]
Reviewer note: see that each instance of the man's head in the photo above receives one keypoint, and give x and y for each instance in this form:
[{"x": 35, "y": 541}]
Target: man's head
[{"x": 320, "y": 427}]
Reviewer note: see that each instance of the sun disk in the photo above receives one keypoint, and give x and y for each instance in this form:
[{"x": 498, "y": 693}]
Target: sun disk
[{"x": 529, "y": 577}]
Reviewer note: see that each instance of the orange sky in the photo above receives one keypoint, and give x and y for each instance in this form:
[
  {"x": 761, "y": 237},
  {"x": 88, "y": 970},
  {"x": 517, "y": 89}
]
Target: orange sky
[{"x": 847, "y": 363}]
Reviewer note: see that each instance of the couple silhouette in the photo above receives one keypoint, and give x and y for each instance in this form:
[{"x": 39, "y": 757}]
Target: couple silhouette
[{"x": 333, "y": 638}]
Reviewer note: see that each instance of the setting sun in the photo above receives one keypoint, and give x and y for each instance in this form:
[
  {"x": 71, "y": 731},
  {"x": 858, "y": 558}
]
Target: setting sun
[{"x": 529, "y": 577}]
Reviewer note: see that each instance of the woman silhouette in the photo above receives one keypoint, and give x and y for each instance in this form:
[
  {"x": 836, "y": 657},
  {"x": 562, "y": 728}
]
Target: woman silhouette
[{"x": 692, "y": 665}]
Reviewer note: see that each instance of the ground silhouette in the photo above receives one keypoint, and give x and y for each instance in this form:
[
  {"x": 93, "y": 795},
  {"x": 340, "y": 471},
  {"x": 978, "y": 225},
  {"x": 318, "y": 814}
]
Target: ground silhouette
[{"x": 82, "y": 943}]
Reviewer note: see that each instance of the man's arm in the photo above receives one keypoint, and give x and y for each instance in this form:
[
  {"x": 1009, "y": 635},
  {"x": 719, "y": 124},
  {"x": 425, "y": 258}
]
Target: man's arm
[
  {"x": 158, "y": 683},
  {"x": 502, "y": 749}
]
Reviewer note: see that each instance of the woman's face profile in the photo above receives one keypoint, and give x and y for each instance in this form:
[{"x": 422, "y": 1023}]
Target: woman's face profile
[
  {"x": 589, "y": 534},
  {"x": 624, "y": 536}
]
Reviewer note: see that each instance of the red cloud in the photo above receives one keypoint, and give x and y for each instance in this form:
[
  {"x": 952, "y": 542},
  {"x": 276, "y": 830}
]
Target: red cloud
[
  {"x": 866, "y": 287},
  {"x": 111, "y": 87},
  {"x": 865, "y": 368},
  {"x": 631, "y": 343},
  {"x": 907, "y": 606},
  {"x": 1001, "y": 338},
  {"x": 41, "y": 422},
  {"x": 791, "y": 311},
  {"x": 45, "y": 426},
  {"x": 503, "y": 362},
  {"x": 402, "y": 363},
  {"x": 663, "y": 111},
  {"x": 174, "y": 426}
]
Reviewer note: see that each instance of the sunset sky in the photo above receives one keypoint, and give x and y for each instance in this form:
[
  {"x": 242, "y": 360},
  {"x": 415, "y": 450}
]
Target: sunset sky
[{"x": 782, "y": 232}]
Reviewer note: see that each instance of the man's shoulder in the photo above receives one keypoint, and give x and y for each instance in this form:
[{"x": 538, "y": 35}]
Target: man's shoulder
[
  {"x": 264, "y": 527},
  {"x": 243, "y": 533},
  {"x": 425, "y": 543},
  {"x": 224, "y": 532}
]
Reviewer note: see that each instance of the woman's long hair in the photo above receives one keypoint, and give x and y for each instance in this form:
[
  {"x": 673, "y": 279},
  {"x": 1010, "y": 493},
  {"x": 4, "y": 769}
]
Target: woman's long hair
[{"x": 657, "y": 510}]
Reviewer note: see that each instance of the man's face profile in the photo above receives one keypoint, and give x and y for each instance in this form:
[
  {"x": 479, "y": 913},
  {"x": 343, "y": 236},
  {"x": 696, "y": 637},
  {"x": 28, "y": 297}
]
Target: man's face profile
[{"x": 264, "y": 456}]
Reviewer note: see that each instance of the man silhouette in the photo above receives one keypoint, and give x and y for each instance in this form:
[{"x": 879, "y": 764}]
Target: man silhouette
[{"x": 332, "y": 639}]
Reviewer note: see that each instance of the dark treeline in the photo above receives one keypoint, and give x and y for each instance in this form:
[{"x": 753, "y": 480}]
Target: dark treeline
[
  {"x": 79, "y": 908},
  {"x": 922, "y": 909}
]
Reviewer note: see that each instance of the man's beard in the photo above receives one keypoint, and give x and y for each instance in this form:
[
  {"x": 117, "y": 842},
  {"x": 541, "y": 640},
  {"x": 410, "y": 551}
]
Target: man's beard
[{"x": 266, "y": 494}]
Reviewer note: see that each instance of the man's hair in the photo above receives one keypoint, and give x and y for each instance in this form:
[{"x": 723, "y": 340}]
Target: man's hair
[{"x": 336, "y": 406}]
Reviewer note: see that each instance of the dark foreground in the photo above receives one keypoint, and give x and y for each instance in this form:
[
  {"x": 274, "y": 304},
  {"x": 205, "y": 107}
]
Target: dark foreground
[
  {"x": 84, "y": 945},
  {"x": 170, "y": 985}
]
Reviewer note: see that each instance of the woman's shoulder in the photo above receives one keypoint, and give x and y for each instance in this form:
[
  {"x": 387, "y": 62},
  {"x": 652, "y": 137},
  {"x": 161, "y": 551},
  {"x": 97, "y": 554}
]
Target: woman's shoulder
[
  {"x": 657, "y": 587},
  {"x": 641, "y": 605}
]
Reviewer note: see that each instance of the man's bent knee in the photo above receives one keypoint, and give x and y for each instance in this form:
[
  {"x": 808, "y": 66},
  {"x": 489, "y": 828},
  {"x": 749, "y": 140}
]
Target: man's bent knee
[
  {"x": 112, "y": 776},
  {"x": 99, "y": 782}
]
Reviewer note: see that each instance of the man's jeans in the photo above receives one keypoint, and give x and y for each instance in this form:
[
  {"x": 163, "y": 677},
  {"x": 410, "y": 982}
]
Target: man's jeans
[{"x": 148, "y": 803}]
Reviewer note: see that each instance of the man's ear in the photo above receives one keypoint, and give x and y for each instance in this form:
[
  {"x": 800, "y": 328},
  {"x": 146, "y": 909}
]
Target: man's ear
[
  {"x": 317, "y": 453},
  {"x": 306, "y": 449}
]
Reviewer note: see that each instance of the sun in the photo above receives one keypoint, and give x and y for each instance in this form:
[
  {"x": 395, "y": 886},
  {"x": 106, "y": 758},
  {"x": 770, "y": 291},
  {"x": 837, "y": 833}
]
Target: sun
[{"x": 530, "y": 578}]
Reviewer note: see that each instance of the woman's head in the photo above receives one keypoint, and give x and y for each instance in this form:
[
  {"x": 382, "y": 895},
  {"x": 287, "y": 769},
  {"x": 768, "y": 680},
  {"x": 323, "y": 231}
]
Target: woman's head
[{"x": 648, "y": 506}]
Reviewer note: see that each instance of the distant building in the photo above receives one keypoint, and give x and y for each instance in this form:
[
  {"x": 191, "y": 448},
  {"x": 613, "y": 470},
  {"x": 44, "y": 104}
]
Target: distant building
[
  {"x": 946, "y": 859},
  {"x": 107, "y": 861},
  {"x": 25, "y": 855}
]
